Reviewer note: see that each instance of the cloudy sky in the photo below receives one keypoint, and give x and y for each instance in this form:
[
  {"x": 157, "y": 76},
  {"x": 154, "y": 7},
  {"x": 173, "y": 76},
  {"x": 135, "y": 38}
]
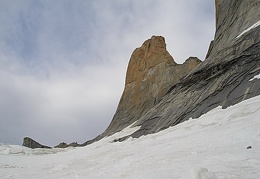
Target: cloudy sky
[{"x": 63, "y": 62}]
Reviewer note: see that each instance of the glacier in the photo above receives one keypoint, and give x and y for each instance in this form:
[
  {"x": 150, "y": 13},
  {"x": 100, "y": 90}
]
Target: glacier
[{"x": 223, "y": 143}]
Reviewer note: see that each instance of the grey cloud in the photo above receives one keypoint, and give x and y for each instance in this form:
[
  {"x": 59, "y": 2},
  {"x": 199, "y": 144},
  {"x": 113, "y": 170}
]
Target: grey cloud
[{"x": 57, "y": 108}]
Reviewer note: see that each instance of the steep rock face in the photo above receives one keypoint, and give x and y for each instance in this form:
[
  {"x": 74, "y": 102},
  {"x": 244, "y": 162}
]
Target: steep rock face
[
  {"x": 150, "y": 74},
  {"x": 232, "y": 18},
  {"x": 225, "y": 78},
  {"x": 30, "y": 143}
]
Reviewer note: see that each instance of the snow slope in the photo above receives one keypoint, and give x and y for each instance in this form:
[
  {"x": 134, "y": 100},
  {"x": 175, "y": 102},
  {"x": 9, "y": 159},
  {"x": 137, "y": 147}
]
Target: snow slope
[{"x": 213, "y": 146}]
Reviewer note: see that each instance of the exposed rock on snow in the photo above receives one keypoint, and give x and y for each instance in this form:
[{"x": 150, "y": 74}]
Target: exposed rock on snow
[
  {"x": 65, "y": 145},
  {"x": 28, "y": 142},
  {"x": 61, "y": 145}
]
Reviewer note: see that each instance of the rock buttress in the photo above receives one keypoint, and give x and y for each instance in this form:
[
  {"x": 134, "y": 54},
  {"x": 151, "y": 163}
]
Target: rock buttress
[{"x": 150, "y": 74}]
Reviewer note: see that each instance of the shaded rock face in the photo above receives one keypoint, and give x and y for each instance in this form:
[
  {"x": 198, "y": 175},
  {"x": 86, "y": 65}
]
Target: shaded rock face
[
  {"x": 232, "y": 18},
  {"x": 30, "y": 143},
  {"x": 223, "y": 79},
  {"x": 150, "y": 74}
]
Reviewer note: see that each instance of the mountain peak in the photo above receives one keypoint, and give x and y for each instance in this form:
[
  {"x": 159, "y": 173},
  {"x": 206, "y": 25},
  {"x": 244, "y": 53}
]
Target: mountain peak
[
  {"x": 154, "y": 42},
  {"x": 151, "y": 53},
  {"x": 150, "y": 74}
]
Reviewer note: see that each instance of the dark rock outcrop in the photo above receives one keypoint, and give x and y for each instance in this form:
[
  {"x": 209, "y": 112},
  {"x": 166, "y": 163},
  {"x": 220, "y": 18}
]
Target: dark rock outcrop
[
  {"x": 65, "y": 145},
  {"x": 30, "y": 143},
  {"x": 62, "y": 145},
  {"x": 223, "y": 79}
]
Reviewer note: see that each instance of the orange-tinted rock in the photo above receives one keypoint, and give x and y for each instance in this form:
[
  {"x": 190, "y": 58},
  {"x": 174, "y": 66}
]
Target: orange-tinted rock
[{"x": 150, "y": 74}]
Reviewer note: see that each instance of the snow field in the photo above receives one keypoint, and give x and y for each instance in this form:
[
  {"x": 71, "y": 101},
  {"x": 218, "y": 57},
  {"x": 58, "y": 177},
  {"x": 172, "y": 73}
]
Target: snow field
[{"x": 210, "y": 147}]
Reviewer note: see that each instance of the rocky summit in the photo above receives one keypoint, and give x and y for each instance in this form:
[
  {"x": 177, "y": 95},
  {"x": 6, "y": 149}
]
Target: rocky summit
[{"x": 151, "y": 73}]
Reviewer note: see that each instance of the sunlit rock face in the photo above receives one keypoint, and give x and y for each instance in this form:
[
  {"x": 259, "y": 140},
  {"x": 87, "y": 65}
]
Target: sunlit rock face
[{"x": 150, "y": 74}]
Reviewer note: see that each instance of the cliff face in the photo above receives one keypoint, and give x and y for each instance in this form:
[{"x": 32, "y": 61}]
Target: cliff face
[
  {"x": 232, "y": 18},
  {"x": 223, "y": 79},
  {"x": 150, "y": 74}
]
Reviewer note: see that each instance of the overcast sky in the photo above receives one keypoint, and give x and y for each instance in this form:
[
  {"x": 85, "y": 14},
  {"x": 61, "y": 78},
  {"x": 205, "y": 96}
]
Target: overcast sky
[{"x": 63, "y": 62}]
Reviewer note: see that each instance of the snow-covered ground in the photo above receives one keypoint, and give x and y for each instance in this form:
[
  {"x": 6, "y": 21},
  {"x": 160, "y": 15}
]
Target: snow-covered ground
[{"x": 213, "y": 146}]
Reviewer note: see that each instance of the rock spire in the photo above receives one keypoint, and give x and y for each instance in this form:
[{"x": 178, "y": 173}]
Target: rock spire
[{"x": 150, "y": 74}]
